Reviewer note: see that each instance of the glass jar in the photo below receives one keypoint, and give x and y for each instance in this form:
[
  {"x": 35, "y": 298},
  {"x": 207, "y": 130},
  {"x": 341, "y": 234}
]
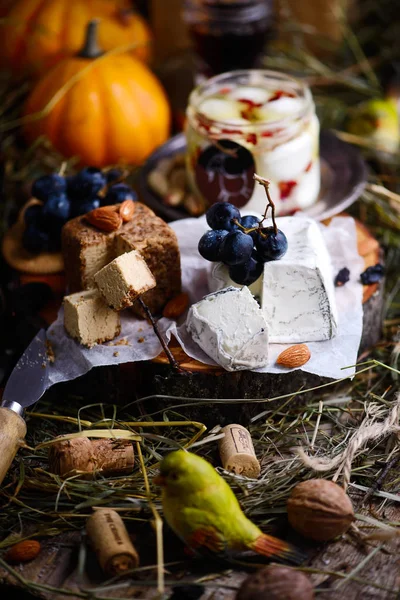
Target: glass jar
[
  {"x": 254, "y": 121},
  {"x": 228, "y": 35}
]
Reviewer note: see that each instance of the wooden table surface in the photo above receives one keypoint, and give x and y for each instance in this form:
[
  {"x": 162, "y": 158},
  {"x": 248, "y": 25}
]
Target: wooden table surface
[{"x": 57, "y": 566}]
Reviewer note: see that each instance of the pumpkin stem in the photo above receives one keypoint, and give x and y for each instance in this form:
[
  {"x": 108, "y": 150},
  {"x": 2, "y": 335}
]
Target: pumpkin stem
[{"x": 90, "y": 47}]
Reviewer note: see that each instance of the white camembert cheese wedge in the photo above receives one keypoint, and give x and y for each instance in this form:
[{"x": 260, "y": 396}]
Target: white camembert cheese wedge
[
  {"x": 230, "y": 327},
  {"x": 296, "y": 292},
  {"x": 298, "y": 298}
]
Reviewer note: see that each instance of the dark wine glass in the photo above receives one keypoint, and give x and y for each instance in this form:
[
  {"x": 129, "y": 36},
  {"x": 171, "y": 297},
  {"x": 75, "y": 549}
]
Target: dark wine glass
[{"x": 229, "y": 36}]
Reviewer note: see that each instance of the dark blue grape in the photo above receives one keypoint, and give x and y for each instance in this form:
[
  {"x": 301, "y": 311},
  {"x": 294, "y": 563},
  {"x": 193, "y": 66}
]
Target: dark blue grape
[
  {"x": 372, "y": 274},
  {"x": 113, "y": 175},
  {"x": 342, "y": 277},
  {"x": 35, "y": 240},
  {"x": 210, "y": 243},
  {"x": 34, "y": 214},
  {"x": 86, "y": 184},
  {"x": 54, "y": 244},
  {"x": 70, "y": 182},
  {"x": 56, "y": 213},
  {"x": 256, "y": 256},
  {"x": 236, "y": 248},
  {"x": 119, "y": 193},
  {"x": 247, "y": 273},
  {"x": 85, "y": 207},
  {"x": 48, "y": 185},
  {"x": 250, "y": 222},
  {"x": 57, "y": 208},
  {"x": 220, "y": 216},
  {"x": 271, "y": 245}
]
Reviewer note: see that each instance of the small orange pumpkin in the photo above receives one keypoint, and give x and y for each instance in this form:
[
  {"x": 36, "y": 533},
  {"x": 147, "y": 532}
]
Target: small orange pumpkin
[
  {"x": 115, "y": 112},
  {"x": 37, "y": 34}
]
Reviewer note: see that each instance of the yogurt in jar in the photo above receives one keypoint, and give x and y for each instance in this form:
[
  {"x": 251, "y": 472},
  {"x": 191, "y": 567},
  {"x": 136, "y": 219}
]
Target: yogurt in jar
[{"x": 248, "y": 122}]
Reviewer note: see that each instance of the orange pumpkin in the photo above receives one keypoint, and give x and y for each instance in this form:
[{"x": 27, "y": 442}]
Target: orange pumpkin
[
  {"x": 36, "y": 34},
  {"x": 115, "y": 111}
]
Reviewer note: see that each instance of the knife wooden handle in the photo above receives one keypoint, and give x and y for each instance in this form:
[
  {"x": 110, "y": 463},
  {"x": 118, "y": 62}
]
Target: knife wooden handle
[{"x": 12, "y": 431}]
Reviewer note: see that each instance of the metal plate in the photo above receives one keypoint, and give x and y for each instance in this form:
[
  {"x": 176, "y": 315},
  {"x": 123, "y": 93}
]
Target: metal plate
[{"x": 343, "y": 178}]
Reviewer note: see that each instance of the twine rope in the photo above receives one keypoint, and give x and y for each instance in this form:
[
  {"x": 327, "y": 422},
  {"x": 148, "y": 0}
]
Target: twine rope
[{"x": 370, "y": 429}]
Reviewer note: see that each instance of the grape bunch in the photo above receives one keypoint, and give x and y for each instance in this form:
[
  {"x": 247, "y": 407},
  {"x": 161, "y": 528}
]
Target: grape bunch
[
  {"x": 241, "y": 243},
  {"x": 64, "y": 198}
]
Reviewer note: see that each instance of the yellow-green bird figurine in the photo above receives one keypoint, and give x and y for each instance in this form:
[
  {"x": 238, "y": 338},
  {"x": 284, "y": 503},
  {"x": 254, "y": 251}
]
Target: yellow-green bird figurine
[{"x": 203, "y": 511}]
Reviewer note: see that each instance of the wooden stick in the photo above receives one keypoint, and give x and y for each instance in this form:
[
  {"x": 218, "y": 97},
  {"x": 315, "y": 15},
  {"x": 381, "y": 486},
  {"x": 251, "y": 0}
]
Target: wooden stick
[
  {"x": 173, "y": 362},
  {"x": 378, "y": 483}
]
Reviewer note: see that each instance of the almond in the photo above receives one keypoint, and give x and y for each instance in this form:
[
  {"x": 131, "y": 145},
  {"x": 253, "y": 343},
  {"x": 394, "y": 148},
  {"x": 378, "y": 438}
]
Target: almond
[
  {"x": 105, "y": 218},
  {"x": 23, "y": 551},
  {"x": 295, "y": 356},
  {"x": 176, "y": 307},
  {"x": 126, "y": 210}
]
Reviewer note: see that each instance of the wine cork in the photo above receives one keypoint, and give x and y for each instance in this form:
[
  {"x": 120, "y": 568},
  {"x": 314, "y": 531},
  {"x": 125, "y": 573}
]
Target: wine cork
[
  {"x": 237, "y": 451},
  {"x": 86, "y": 456},
  {"x": 111, "y": 543}
]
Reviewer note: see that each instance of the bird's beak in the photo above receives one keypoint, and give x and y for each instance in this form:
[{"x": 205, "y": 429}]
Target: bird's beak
[{"x": 160, "y": 480}]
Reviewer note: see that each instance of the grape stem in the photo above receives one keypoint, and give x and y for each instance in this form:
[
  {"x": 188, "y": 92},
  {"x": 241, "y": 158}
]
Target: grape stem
[
  {"x": 102, "y": 193},
  {"x": 270, "y": 203},
  {"x": 241, "y": 226},
  {"x": 63, "y": 168},
  {"x": 266, "y": 184}
]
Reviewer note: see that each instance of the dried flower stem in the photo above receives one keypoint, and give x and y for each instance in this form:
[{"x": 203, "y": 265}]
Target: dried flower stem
[
  {"x": 392, "y": 463},
  {"x": 158, "y": 525}
]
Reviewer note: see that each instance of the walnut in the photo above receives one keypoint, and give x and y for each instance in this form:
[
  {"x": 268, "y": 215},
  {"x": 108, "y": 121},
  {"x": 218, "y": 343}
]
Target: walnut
[
  {"x": 276, "y": 582},
  {"x": 319, "y": 509}
]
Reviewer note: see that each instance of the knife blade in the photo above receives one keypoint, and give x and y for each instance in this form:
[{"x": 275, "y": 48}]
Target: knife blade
[{"x": 26, "y": 384}]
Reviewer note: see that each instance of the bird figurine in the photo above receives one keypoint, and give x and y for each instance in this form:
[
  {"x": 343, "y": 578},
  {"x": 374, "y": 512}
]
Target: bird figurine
[{"x": 203, "y": 511}]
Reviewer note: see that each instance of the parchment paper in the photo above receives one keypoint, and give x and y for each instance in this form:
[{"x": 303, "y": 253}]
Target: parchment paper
[{"x": 140, "y": 343}]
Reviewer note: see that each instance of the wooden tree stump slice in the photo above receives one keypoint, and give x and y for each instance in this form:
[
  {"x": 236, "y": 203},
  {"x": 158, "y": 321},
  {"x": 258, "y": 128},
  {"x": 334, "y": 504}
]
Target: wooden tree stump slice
[
  {"x": 204, "y": 381},
  {"x": 246, "y": 390}
]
